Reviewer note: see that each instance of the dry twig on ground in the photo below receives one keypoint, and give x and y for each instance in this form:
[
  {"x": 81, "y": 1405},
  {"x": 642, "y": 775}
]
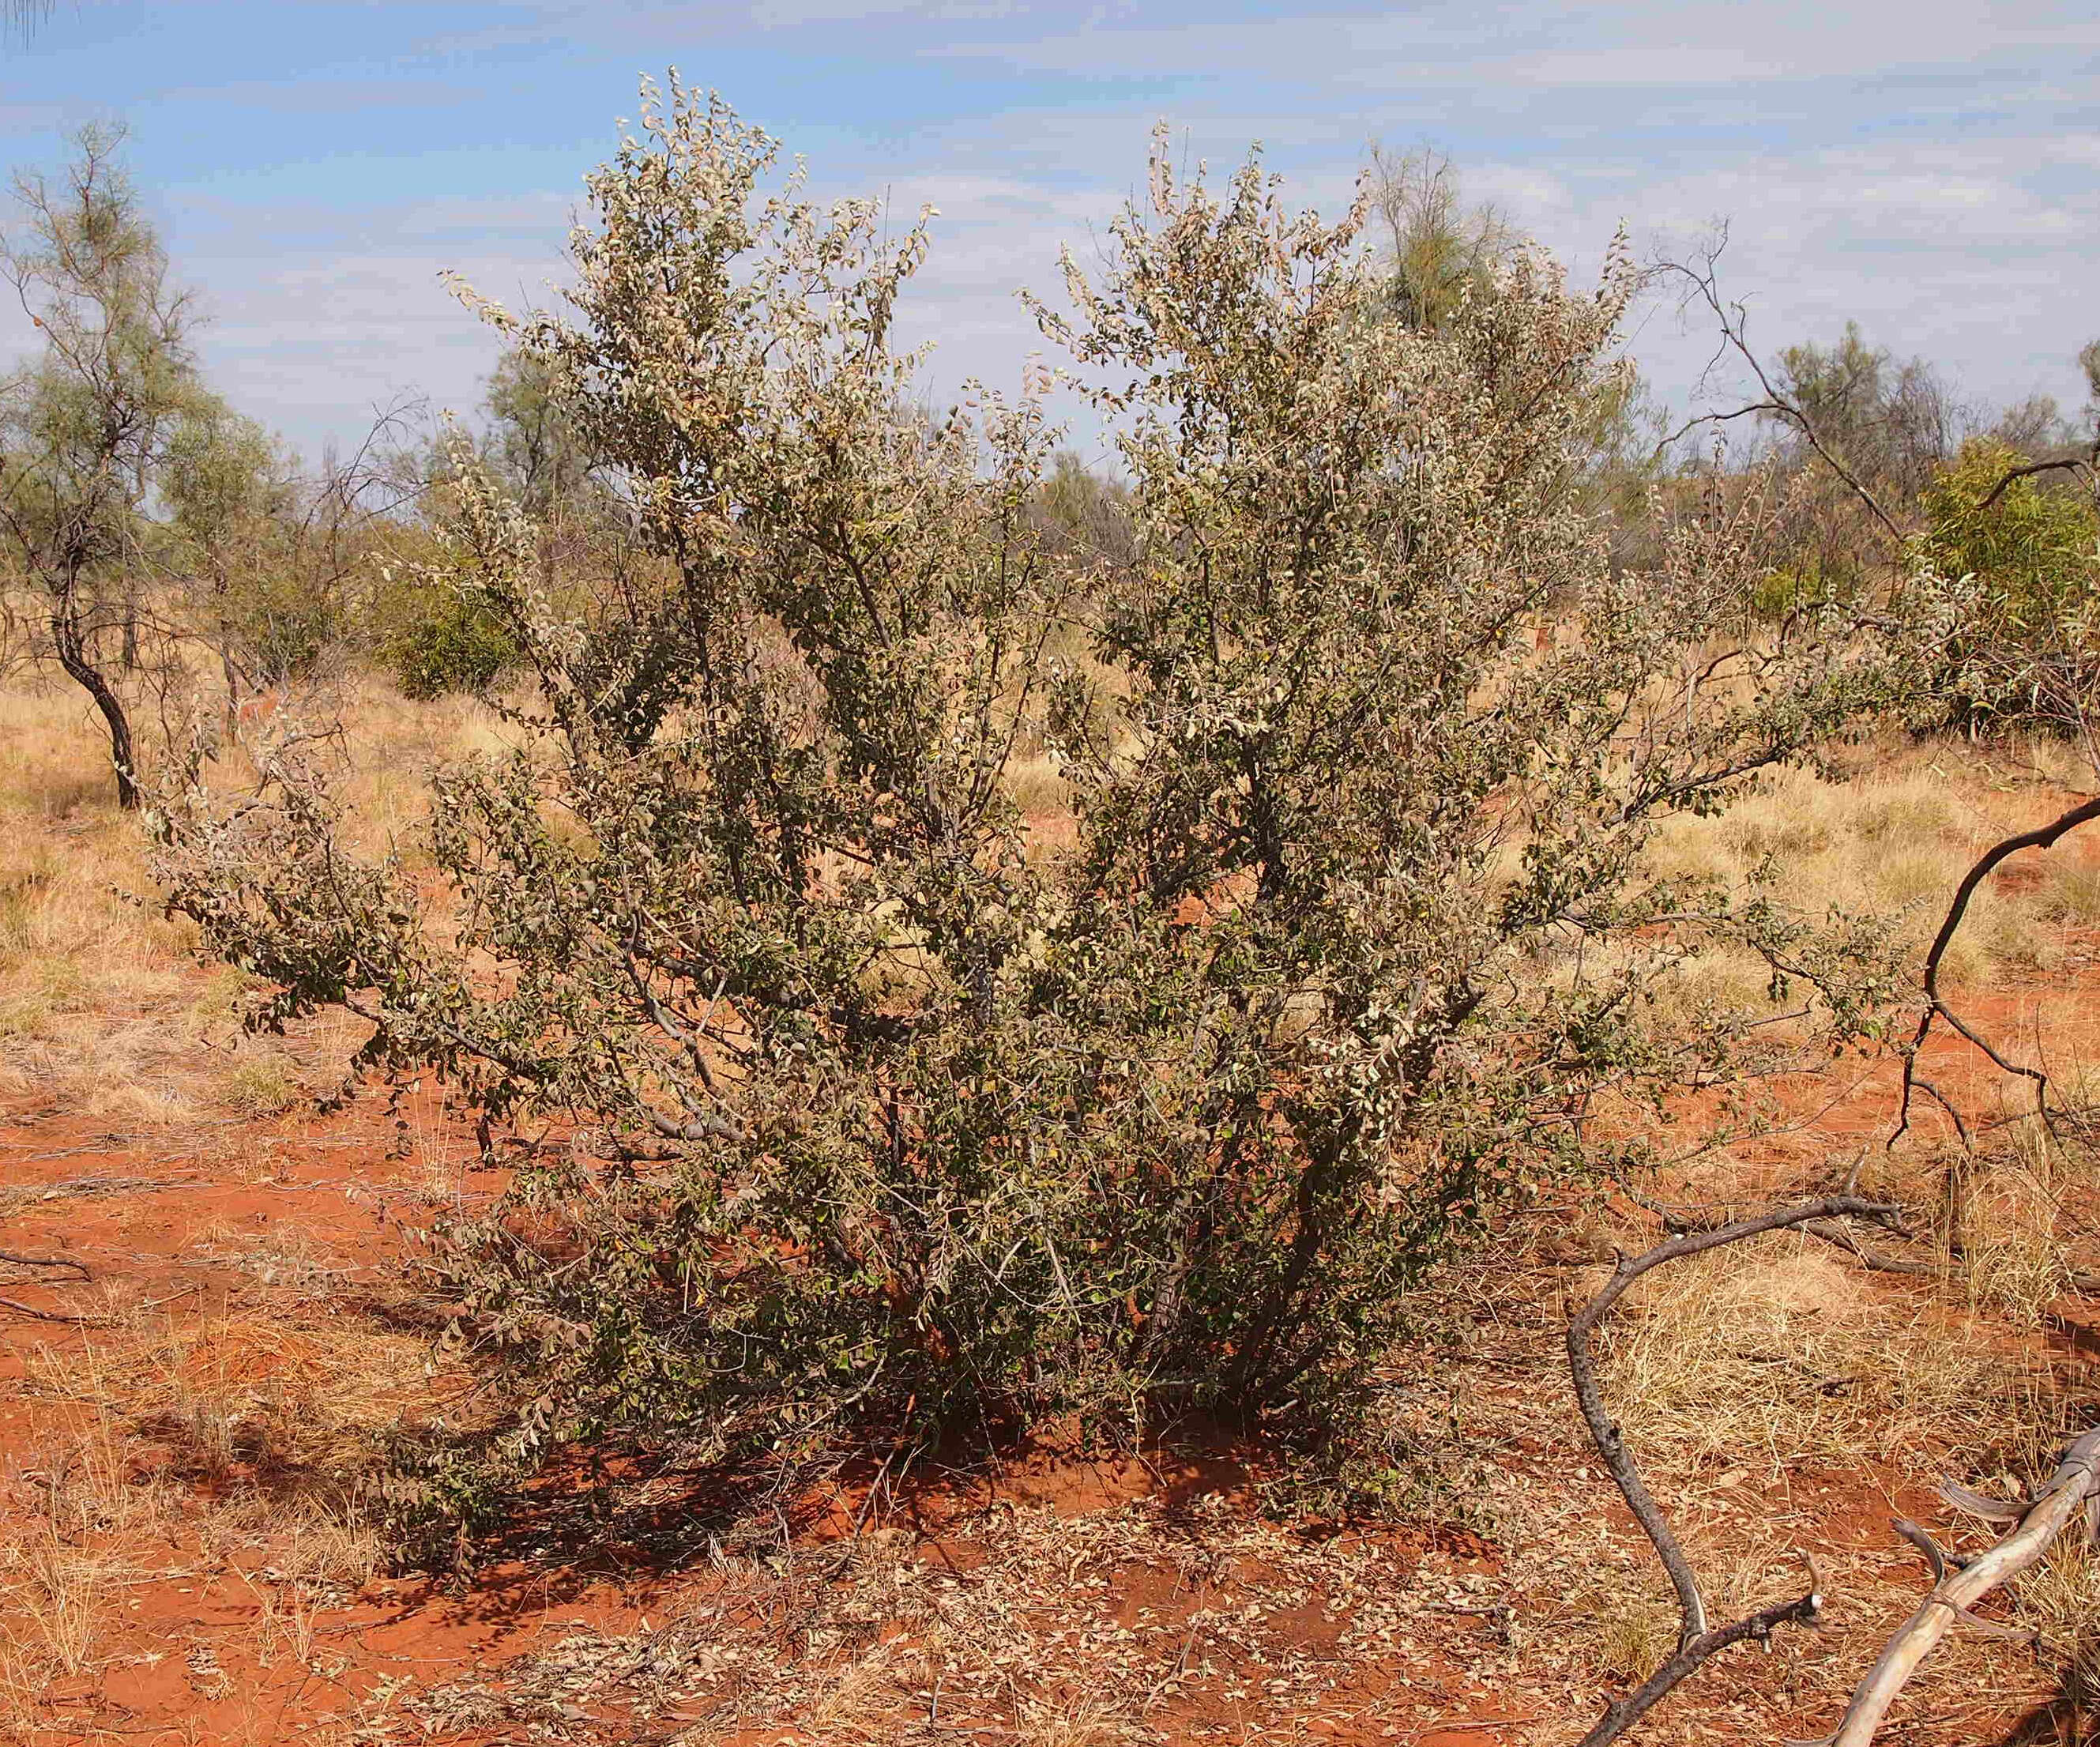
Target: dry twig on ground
[
  {"x": 2071, "y": 1493},
  {"x": 1698, "y": 1642}
]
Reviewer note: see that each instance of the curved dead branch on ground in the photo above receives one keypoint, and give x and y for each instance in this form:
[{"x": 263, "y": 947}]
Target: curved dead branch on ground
[
  {"x": 1697, "y": 1641},
  {"x": 2071, "y": 1495},
  {"x": 2042, "y": 837},
  {"x": 14, "y": 1307}
]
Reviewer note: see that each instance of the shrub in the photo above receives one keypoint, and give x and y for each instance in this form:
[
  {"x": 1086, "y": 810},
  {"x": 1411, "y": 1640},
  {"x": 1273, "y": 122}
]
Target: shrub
[
  {"x": 848, "y": 1113},
  {"x": 443, "y": 640},
  {"x": 2030, "y": 558}
]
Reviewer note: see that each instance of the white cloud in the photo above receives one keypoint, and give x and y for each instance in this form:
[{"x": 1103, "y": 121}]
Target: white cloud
[{"x": 1927, "y": 169}]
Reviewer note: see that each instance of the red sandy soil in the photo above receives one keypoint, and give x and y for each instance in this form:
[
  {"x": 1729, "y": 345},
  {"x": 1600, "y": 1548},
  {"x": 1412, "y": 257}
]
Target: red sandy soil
[{"x": 199, "y": 1641}]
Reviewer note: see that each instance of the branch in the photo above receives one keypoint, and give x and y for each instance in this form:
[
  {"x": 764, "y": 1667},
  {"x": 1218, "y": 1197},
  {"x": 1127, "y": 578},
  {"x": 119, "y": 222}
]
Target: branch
[
  {"x": 2070, "y": 1494},
  {"x": 1804, "y": 1610},
  {"x": 79, "y": 1268},
  {"x": 1731, "y": 317},
  {"x": 2071, "y": 464},
  {"x": 2042, "y": 837},
  {"x": 2086, "y": 1284},
  {"x": 52, "y": 1316},
  {"x": 1696, "y": 1642}
]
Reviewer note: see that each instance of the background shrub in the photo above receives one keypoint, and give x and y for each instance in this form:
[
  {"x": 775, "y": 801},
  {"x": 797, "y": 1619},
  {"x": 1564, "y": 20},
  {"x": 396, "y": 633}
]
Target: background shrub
[
  {"x": 2024, "y": 647},
  {"x": 443, "y": 639}
]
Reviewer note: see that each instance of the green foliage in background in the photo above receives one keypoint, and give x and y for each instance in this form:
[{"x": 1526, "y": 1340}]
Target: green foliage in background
[{"x": 2029, "y": 550}]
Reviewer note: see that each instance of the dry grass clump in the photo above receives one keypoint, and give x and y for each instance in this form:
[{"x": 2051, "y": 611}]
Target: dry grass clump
[
  {"x": 2012, "y": 1259},
  {"x": 1089, "y": 1718},
  {"x": 1037, "y": 786},
  {"x": 395, "y": 745},
  {"x": 246, "y": 1396},
  {"x": 1779, "y": 1351},
  {"x": 2071, "y": 891},
  {"x": 1895, "y": 843},
  {"x": 329, "y": 1545},
  {"x": 259, "y": 1083},
  {"x": 1633, "y": 1637},
  {"x": 54, "y": 1613}
]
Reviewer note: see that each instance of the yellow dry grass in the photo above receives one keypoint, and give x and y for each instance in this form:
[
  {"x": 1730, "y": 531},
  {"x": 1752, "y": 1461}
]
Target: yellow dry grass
[
  {"x": 248, "y": 1386},
  {"x": 2060, "y": 1600},
  {"x": 1892, "y": 840},
  {"x": 54, "y": 1613},
  {"x": 102, "y": 1005},
  {"x": 1764, "y": 1355}
]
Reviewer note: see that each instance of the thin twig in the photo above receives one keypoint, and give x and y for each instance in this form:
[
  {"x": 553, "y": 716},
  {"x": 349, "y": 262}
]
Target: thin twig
[
  {"x": 51, "y": 1316},
  {"x": 80, "y": 1268}
]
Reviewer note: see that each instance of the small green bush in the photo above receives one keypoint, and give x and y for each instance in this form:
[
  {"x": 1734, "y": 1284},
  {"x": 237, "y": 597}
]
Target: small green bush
[
  {"x": 2025, "y": 648},
  {"x": 447, "y": 640}
]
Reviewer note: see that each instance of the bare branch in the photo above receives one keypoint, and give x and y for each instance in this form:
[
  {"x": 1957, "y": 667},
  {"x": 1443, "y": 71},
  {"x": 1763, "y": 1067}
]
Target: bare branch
[
  {"x": 2043, "y": 837},
  {"x": 79, "y": 1268},
  {"x": 1703, "y": 286},
  {"x": 2063, "y": 1500},
  {"x": 2084, "y": 464},
  {"x": 1697, "y": 1643},
  {"x": 51, "y": 1315}
]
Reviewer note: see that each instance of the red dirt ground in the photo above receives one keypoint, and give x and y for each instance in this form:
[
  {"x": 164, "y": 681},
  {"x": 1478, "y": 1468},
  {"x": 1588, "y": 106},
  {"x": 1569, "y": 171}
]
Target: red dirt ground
[{"x": 200, "y": 1637}]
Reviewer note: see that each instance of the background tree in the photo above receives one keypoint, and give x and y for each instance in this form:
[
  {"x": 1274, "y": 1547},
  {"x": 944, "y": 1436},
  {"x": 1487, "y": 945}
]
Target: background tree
[
  {"x": 531, "y": 442},
  {"x": 1086, "y": 516},
  {"x": 273, "y": 568},
  {"x": 1894, "y": 424},
  {"x": 85, "y": 429},
  {"x": 1435, "y": 250}
]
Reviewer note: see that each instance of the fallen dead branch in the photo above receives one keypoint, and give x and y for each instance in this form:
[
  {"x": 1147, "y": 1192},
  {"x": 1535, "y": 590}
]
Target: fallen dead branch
[
  {"x": 1697, "y": 1641},
  {"x": 1879, "y": 1261},
  {"x": 17, "y": 1196},
  {"x": 21, "y": 1309},
  {"x": 2072, "y": 1493},
  {"x": 79, "y": 1268}
]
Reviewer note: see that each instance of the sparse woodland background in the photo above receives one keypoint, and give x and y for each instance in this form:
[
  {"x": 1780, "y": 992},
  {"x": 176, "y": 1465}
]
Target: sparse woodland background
[{"x": 939, "y": 944}]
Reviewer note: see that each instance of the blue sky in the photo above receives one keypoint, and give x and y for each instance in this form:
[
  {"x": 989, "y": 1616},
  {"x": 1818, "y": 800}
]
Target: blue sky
[{"x": 1931, "y": 169}]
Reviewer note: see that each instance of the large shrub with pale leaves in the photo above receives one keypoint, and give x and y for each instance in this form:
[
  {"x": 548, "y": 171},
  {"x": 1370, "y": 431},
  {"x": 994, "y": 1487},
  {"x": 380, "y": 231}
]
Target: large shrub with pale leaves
[{"x": 839, "y": 1101}]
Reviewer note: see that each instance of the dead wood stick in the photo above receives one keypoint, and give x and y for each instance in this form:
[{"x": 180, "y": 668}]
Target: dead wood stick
[
  {"x": 2076, "y": 1280},
  {"x": 1697, "y": 1641},
  {"x": 51, "y": 1315},
  {"x": 2042, "y": 837},
  {"x": 2068, "y": 1494},
  {"x": 79, "y": 1268}
]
